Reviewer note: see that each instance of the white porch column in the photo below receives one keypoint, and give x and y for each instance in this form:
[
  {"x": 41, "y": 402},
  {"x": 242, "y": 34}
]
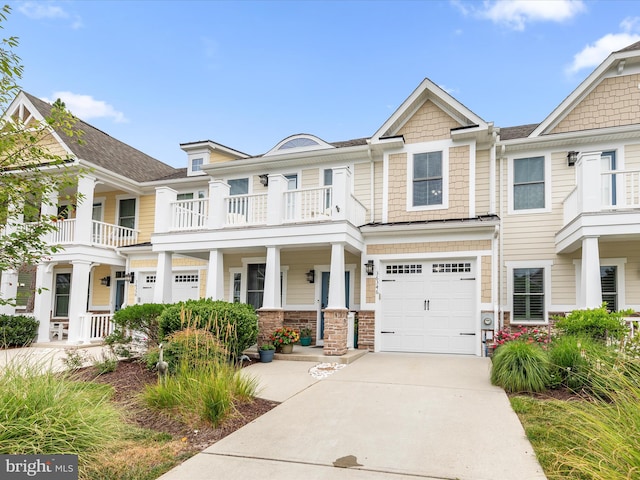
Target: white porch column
[
  {"x": 336, "y": 283},
  {"x": 275, "y": 199},
  {"x": 43, "y": 301},
  {"x": 589, "y": 182},
  {"x": 271, "y": 298},
  {"x": 49, "y": 208},
  {"x": 8, "y": 291},
  {"x": 162, "y": 292},
  {"x": 218, "y": 191},
  {"x": 78, "y": 301},
  {"x": 84, "y": 211},
  {"x": 590, "y": 285},
  {"x": 215, "y": 275},
  {"x": 164, "y": 213},
  {"x": 341, "y": 193}
]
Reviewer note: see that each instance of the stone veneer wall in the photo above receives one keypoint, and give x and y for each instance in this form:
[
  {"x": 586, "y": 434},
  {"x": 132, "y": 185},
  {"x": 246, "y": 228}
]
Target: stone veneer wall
[
  {"x": 366, "y": 335},
  {"x": 335, "y": 331},
  {"x": 297, "y": 319},
  {"x": 268, "y": 322}
]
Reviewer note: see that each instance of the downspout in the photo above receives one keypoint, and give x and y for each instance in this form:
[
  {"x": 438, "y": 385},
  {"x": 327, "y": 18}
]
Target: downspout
[
  {"x": 500, "y": 241},
  {"x": 495, "y": 259}
]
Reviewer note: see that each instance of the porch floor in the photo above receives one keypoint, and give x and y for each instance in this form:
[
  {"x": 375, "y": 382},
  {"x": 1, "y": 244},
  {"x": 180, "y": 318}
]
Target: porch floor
[{"x": 309, "y": 354}]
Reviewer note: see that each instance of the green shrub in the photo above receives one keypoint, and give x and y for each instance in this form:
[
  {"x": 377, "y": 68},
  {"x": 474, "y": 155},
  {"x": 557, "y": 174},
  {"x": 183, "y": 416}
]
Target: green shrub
[
  {"x": 47, "y": 413},
  {"x": 233, "y": 324},
  {"x": 17, "y": 330},
  {"x": 520, "y": 367},
  {"x": 568, "y": 363},
  {"x": 595, "y": 323},
  {"x": 140, "y": 319}
]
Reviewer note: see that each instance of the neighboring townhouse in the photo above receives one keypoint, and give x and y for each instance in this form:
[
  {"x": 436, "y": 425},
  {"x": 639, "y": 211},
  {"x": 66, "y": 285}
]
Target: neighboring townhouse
[{"x": 429, "y": 235}]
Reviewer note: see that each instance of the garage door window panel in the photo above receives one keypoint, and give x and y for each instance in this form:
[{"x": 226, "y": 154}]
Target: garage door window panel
[{"x": 528, "y": 294}]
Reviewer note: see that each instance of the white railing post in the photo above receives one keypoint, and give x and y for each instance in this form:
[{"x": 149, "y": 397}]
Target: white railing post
[
  {"x": 218, "y": 191},
  {"x": 589, "y": 182},
  {"x": 164, "y": 215},
  {"x": 341, "y": 195},
  {"x": 275, "y": 199}
]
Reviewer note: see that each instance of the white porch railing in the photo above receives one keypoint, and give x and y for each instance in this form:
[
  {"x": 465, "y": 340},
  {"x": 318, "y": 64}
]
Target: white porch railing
[
  {"x": 309, "y": 204},
  {"x": 189, "y": 214},
  {"x": 620, "y": 189},
  {"x": 96, "y": 326},
  {"x": 246, "y": 209},
  {"x": 357, "y": 212},
  {"x": 109, "y": 235},
  {"x": 65, "y": 232}
]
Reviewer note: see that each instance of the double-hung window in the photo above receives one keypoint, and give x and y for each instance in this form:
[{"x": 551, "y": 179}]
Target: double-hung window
[
  {"x": 427, "y": 179},
  {"x": 528, "y": 294},
  {"x": 609, "y": 284},
  {"x": 528, "y": 183}
]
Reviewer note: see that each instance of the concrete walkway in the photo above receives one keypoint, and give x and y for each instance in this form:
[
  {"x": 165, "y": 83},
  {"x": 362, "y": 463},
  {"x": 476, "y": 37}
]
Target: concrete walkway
[
  {"x": 50, "y": 355},
  {"x": 385, "y": 416}
]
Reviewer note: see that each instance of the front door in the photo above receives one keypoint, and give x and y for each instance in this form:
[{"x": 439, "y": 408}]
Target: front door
[
  {"x": 119, "y": 294},
  {"x": 324, "y": 296}
]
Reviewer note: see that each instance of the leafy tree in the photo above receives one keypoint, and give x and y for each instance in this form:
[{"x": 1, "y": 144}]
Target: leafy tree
[{"x": 31, "y": 175}]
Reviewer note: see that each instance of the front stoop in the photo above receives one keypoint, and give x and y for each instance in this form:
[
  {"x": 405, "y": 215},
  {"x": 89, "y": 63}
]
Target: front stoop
[{"x": 310, "y": 354}]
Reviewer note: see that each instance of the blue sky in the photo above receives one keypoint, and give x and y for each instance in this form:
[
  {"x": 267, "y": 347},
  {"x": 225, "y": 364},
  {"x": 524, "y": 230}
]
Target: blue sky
[{"x": 247, "y": 74}]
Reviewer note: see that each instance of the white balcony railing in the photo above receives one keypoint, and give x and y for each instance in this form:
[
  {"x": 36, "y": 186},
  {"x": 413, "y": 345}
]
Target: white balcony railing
[
  {"x": 65, "y": 232},
  {"x": 109, "y": 235},
  {"x": 309, "y": 204},
  {"x": 189, "y": 214},
  {"x": 246, "y": 209}
]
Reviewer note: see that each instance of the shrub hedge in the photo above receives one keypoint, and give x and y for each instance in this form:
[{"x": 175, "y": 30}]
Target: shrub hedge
[{"x": 17, "y": 330}]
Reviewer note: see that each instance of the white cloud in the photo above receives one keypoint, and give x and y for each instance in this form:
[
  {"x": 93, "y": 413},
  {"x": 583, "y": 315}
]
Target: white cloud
[
  {"x": 42, "y": 10},
  {"x": 592, "y": 55},
  {"x": 86, "y": 107},
  {"x": 516, "y": 14}
]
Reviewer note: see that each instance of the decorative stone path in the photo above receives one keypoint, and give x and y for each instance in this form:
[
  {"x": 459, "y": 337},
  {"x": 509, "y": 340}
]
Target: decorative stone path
[{"x": 323, "y": 370}]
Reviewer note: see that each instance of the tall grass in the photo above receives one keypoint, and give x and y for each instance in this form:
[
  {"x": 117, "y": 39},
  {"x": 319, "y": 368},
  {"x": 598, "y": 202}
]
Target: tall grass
[
  {"x": 205, "y": 384},
  {"x": 42, "y": 412},
  {"x": 520, "y": 367}
]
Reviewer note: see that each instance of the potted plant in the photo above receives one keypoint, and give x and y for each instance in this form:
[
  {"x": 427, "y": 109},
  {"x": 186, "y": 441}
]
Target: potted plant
[
  {"x": 305, "y": 336},
  {"x": 284, "y": 338},
  {"x": 266, "y": 352}
]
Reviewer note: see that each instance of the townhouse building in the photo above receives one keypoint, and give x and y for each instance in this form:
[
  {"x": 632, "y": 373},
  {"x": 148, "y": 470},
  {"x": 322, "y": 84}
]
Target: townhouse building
[{"x": 429, "y": 234}]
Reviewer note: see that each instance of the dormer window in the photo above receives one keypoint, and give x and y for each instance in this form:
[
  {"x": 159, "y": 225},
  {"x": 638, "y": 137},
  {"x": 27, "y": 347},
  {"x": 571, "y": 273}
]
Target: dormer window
[
  {"x": 195, "y": 166},
  {"x": 299, "y": 142}
]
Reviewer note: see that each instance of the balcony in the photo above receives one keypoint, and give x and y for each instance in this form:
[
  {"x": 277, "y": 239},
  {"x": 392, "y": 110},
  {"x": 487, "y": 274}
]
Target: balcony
[
  {"x": 604, "y": 204},
  {"x": 102, "y": 234}
]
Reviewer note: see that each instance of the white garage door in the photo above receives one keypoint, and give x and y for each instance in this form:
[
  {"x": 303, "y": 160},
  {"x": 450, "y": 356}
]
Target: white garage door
[
  {"x": 186, "y": 286},
  {"x": 429, "y": 307}
]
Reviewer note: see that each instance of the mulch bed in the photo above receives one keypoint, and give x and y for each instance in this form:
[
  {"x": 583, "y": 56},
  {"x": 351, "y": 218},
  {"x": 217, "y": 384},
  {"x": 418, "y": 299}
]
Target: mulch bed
[{"x": 129, "y": 380}]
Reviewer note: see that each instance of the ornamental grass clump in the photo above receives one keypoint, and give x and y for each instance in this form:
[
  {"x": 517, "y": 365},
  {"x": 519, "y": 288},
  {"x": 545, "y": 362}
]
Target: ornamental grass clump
[{"x": 520, "y": 367}]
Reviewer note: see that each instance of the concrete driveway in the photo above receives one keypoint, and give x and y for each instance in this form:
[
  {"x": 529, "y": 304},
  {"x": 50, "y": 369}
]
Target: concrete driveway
[{"x": 393, "y": 416}]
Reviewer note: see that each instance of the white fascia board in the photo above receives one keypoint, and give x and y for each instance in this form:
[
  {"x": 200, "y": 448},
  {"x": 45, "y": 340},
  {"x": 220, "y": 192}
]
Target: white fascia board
[
  {"x": 391, "y": 230},
  {"x": 605, "y": 225},
  {"x": 208, "y": 145},
  {"x": 99, "y": 255},
  {"x": 119, "y": 181},
  {"x": 570, "y": 139}
]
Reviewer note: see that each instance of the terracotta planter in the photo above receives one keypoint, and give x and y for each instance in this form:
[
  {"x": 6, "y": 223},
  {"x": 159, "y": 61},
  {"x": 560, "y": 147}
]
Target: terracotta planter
[{"x": 285, "y": 348}]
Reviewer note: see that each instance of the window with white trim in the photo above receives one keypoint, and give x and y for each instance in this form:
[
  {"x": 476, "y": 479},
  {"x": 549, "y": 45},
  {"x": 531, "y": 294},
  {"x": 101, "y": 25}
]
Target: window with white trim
[
  {"x": 609, "y": 284},
  {"x": 528, "y": 183},
  {"x": 528, "y": 295},
  {"x": 427, "y": 179},
  {"x": 196, "y": 164}
]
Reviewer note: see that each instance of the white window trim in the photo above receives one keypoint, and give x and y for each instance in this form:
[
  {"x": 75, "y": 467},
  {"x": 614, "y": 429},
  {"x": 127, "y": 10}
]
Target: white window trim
[
  {"x": 190, "y": 171},
  {"x": 243, "y": 290},
  {"x": 547, "y": 184},
  {"x": 249, "y": 183},
  {"x": 53, "y": 296},
  {"x": 546, "y": 264},
  {"x": 606, "y": 262},
  {"x": 137, "y": 214},
  {"x": 411, "y": 150}
]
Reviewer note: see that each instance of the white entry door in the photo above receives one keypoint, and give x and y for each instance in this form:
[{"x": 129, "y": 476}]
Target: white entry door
[{"x": 429, "y": 307}]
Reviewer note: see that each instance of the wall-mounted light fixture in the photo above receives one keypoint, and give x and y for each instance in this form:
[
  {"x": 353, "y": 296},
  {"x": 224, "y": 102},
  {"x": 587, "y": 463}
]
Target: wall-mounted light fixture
[
  {"x": 572, "y": 158},
  {"x": 105, "y": 281},
  {"x": 369, "y": 267},
  {"x": 130, "y": 277},
  {"x": 311, "y": 276},
  {"x": 264, "y": 179}
]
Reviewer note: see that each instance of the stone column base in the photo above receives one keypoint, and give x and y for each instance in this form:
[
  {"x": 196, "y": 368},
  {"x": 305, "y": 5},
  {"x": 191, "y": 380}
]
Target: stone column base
[
  {"x": 268, "y": 322},
  {"x": 335, "y": 331}
]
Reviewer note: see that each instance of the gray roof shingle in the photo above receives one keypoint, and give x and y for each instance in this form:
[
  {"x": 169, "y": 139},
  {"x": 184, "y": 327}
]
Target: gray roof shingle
[{"x": 521, "y": 131}]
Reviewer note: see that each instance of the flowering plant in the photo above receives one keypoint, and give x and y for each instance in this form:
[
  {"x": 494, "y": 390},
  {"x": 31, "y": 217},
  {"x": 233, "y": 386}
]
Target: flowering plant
[
  {"x": 524, "y": 334},
  {"x": 284, "y": 336}
]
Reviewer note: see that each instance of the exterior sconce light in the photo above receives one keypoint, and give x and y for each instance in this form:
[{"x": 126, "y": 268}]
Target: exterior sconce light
[
  {"x": 311, "y": 276},
  {"x": 264, "y": 179},
  {"x": 105, "y": 281},
  {"x": 369, "y": 267},
  {"x": 572, "y": 158},
  {"x": 130, "y": 277}
]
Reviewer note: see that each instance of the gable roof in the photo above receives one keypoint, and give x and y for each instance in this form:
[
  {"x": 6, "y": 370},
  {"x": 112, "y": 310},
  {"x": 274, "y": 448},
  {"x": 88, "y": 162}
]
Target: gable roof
[
  {"x": 427, "y": 90},
  {"x": 613, "y": 65},
  {"x": 104, "y": 151}
]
